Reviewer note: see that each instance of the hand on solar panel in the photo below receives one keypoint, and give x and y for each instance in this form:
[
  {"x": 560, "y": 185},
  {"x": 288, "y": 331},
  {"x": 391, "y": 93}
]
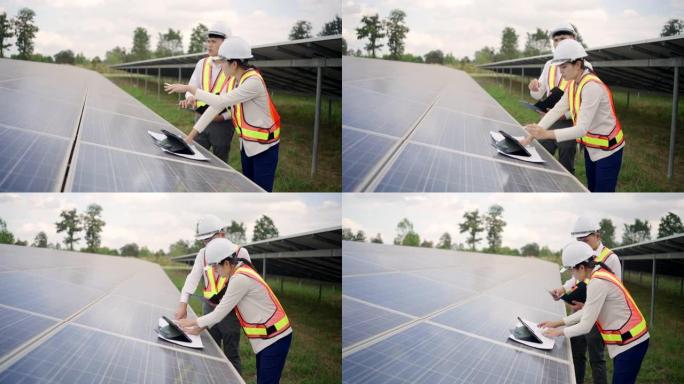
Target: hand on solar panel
[
  {"x": 182, "y": 311},
  {"x": 553, "y": 332},
  {"x": 550, "y": 324},
  {"x": 538, "y": 132},
  {"x": 526, "y": 141},
  {"x": 193, "y": 330}
]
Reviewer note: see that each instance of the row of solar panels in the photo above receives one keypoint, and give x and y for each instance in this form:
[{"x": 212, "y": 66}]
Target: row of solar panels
[
  {"x": 415, "y": 127},
  {"x": 68, "y": 317},
  {"x": 69, "y": 129},
  {"x": 416, "y": 315}
]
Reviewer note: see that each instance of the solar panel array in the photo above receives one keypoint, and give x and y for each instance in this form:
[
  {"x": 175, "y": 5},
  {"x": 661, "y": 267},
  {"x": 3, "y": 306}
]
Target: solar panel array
[
  {"x": 416, "y": 315},
  {"x": 70, "y": 317},
  {"x": 69, "y": 129},
  {"x": 414, "y": 127}
]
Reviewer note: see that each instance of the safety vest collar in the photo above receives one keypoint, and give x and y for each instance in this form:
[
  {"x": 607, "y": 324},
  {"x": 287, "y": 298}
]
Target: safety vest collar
[
  {"x": 214, "y": 283},
  {"x": 207, "y": 74},
  {"x": 603, "y": 255},
  {"x": 555, "y": 79}
]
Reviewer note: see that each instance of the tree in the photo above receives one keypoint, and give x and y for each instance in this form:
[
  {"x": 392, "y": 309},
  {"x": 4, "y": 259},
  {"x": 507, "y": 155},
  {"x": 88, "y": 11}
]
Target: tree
[
  {"x": 607, "y": 231},
  {"x": 637, "y": 232},
  {"x": 484, "y": 55},
  {"x": 117, "y": 55},
  {"x": 531, "y": 249},
  {"x": 426, "y": 244},
  {"x": 144, "y": 252},
  {"x": 537, "y": 43},
  {"x": 65, "y": 57},
  {"x": 509, "y": 44},
  {"x": 377, "y": 239},
  {"x": 435, "y": 57},
  {"x": 670, "y": 224},
  {"x": 406, "y": 235},
  {"x": 673, "y": 27},
  {"x": 445, "y": 241},
  {"x": 494, "y": 225},
  {"x": 92, "y": 225},
  {"x": 396, "y": 32},
  {"x": 578, "y": 36},
  {"x": 6, "y": 33},
  {"x": 179, "y": 248},
  {"x": 25, "y": 32},
  {"x": 360, "y": 236},
  {"x": 472, "y": 224},
  {"x": 41, "y": 240},
  {"x": 130, "y": 249},
  {"x": 347, "y": 234},
  {"x": 333, "y": 27},
  {"x": 449, "y": 59},
  {"x": 141, "y": 45},
  {"x": 22, "y": 243},
  {"x": 264, "y": 229},
  {"x": 95, "y": 61},
  {"x": 300, "y": 30},
  {"x": 236, "y": 232},
  {"x": 6, "y": 237},
  {"x": 169, "y": 44},
  {"x": 70, "y": 225},
  {"x": 371, "y": 28},
  {"x": 198, "y": 39}
]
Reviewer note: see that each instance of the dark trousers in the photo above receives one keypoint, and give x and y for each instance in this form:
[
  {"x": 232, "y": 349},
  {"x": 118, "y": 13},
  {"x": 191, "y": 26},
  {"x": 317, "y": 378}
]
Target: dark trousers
[
  {"x": 216, "y": 138},
  {"x": 626, "y": 365},
  {"x": 226, "y": 333},
  {"x": 566, "y": 149},
  {"x": 261, "y": 168},
  {"x": 602, "y": 175},
  {"x": 271, "y": 361},
  {"x": 592, "y": 342}
]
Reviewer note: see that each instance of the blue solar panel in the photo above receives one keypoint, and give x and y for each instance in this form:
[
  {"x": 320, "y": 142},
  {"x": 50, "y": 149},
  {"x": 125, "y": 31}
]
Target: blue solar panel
[{"x": 361, "y": 321}]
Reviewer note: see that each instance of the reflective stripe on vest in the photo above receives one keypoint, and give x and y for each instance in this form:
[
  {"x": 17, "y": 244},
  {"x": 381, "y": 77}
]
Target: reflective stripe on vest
[
  {"x": 554, "y": 73},
  {"x": 634, "y": 327},
  {"x": 605, "y": 142},
  {"x": 276, "y": 324},
  {"x": 247, "y": 131},
  {"x": 603, "y": 255},
  {"x": 220, "y": 82},
  {"x": 213, "y": 283}
]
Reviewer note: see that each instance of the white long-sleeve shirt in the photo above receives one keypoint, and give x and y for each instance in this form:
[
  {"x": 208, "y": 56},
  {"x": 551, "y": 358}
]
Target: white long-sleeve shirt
[
  {"x": 196, "y": 79},
  {"x": 595, "y": 116},
  {"x": 256, "y": 110},
  {"x": 193, "y": 278},
  {"x": 254, "y": 303},
  {"x": 612, "y": 261},
  {"x": 605, "y": 303}
]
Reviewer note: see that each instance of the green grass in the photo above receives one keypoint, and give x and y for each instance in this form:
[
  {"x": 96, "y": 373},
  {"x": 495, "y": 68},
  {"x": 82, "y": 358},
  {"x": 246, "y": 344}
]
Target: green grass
[
  {"x": 646, "y": 123},
  {"x": 297, "y": 116},
  {"x": 315, "y": 355}
]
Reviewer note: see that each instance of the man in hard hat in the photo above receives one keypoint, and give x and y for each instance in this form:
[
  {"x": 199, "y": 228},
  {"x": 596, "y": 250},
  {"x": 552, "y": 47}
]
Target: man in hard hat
[
  {"x": 551, "y": 87},
  {"x": 226, "y": 332},
  {"x": 588, "y": 231},
  {"x": 209, "y": 77}
]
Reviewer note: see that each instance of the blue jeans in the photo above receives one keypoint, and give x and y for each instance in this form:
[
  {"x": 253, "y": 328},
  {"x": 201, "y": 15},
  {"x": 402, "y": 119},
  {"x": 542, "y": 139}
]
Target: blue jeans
[
  {"x": 271, "y": 361},
  {"x": 626, "y": 365},
  {"x": 602, "y": 175},
  {"x": 261, "y": 168}
]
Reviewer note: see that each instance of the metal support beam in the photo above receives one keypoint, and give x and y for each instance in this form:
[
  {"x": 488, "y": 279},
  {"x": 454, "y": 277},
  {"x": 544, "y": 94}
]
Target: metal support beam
[
  {"x": 146, "y": 81},
  {"x": 673, "y": 123},
  {"x": 263, "y": 268},
  {"x": 653, "y": 290},
  {"x": 317, "y": 121},
  {"x": 158, "y": 84},
  {"x": 522, "y": 82},
  {"x": 628, "y": 92},
  {"x": 510, "y": 81},
  {"x": 179, "y": 80}
]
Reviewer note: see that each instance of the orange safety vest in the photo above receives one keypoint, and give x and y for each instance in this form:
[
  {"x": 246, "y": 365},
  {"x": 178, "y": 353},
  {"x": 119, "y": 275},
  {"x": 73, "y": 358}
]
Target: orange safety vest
[
  {"x": 554, "y": 74},
  {"x": 213, "y": 283},
  {"x": 206, "y": 81},
  {"x": 605, "y": 142},
  {"x": 276, "y": 324},
  {"x": 634, "y": 327},
  {"x": 247, "y": 131}
]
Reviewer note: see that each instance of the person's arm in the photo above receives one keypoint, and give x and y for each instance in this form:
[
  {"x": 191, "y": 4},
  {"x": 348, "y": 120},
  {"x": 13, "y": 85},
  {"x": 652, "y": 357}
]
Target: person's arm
[
  {"x": 591, "y": 100},
  {"x": 555, "y": 113},
  {"x": 543, "y": 80},
  {"x": 238, "y": 285},
  {"x": 614, "y": 264},
  {"x": 192, "y": 279},
  {"x": 585, "y": 319},
  {"x": 569, "y": 284},
  {"x": 195, "y": 79}
]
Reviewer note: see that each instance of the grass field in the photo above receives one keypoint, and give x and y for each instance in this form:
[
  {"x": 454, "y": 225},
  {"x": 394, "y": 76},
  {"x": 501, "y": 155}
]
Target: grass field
[
  {"x": 646, "y": 123},
  {"x": 297, "y": 116},
  {"x": 315, "y": 356}
]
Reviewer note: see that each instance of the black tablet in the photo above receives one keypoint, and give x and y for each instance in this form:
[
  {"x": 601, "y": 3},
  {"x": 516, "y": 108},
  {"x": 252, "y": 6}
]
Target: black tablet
[
  {"x": 173, "y": 332},
  {"x": 531, "y": 106},
  {"x": 511, "y": 146},
  {"x": 174, "y": 143},
  {"x": 579, "y": 294},
  {"x": 523, "y": 332}
]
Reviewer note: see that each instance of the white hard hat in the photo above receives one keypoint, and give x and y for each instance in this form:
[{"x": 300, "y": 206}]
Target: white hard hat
[
  {"x": 562, "y": 28},
  {"x": 585, "y": 226},
  {"x": 235, "y": 48},
  {"x": 568, "y": 50},
  {"x": 243, "y": 253},
  {"x": 208, "y": 226},
  {"x": 575, "y": 253},
  {"x": 219, "y": 29},
  {"x": 219, "y": 249}
]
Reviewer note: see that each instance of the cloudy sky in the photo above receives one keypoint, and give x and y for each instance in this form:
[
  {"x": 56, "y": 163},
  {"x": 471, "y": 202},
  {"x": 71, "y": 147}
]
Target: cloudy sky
[
  {"x": 157, "y": 220},
  {"x": 546, "y": 219},
  {"x": 95, "y": 26},
  {"x": 465, "y": 26}
]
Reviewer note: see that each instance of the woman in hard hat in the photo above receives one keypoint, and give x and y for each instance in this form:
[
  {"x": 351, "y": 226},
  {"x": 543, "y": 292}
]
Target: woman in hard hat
[
  {"x": 255, "y": 118},
  {"x": 595, "y": 124},
  {"x": 261, "y": 315},
  {"x": 608, "y": 305}
]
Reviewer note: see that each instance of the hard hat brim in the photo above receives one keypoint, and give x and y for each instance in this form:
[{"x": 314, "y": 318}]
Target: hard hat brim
[
  {"x": 204, "y": 236},
  {"x": 563, "y": 269}
]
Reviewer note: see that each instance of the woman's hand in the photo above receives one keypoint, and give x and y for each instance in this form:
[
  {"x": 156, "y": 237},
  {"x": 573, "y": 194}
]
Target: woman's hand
[
  {"x": 553, "y": 332},
  {"x": 550, "y": 324},
  {"x": 193, "y": 330},
  {"x": 187, "y": 323},
  {"x": 191, "y": 136},
  {"x": 538, "y": 132},
  {"x": 179, "y": 88},
  {"x": 526, "y": 141}
]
